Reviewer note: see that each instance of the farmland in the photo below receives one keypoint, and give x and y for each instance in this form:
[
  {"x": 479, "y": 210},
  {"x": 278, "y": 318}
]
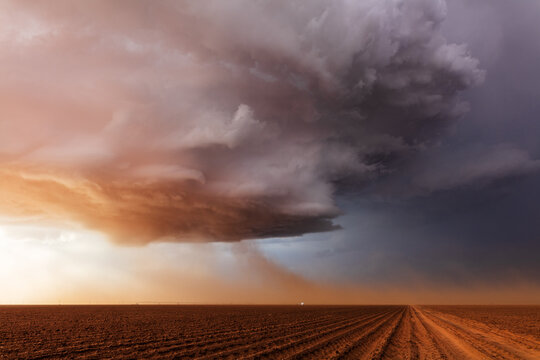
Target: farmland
[{"x": 270, "y": 332}]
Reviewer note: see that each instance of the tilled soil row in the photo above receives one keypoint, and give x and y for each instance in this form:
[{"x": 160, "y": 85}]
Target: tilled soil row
[{"x": 267, "y": 332}]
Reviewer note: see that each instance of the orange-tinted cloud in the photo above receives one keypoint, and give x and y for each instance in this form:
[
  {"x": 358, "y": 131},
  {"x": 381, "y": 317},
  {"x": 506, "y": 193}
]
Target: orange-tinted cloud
[
  {"x": 137, "y": 213},
  {"x": 197, "y": 121}
]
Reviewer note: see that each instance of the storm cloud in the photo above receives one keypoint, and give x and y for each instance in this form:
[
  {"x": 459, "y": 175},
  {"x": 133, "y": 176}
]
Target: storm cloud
[
  {"x": 223, "y": 121},
  {"x": 463, "y": 213}
]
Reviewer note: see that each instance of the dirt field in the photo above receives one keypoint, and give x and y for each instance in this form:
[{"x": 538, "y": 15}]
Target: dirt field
[{"x": 270, "y": 332}]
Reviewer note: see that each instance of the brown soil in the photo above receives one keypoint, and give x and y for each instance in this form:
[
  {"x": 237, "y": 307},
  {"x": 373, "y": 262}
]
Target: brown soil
[{"x": 269, "y": 332}]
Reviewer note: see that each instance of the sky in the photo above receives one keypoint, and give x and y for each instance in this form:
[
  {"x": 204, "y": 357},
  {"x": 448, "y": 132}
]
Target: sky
[{"x": 270, "y": 151}]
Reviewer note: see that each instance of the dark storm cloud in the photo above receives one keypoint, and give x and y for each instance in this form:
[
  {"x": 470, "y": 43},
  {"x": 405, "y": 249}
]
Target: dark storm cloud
[
  {"x": 465, "y": 211},
  {"x": 220, "y": 120}
]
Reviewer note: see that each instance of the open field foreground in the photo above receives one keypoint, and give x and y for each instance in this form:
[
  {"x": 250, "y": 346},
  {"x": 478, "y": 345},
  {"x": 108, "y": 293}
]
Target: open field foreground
[{"x": 270, "y": 332}]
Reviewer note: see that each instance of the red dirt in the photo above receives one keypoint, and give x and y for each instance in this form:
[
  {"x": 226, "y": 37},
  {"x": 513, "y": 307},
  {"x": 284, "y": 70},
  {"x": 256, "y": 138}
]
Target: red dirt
[{"x": 269, "y": 332}]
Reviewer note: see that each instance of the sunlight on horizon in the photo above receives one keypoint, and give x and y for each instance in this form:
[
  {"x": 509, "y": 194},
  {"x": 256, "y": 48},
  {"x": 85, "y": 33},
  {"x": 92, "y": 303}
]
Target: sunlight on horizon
[{"x": 46, "y": 264}]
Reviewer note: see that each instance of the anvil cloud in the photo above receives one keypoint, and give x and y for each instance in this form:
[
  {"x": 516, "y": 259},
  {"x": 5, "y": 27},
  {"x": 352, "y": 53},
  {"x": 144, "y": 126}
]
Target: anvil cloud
[{"x": 218, "y": 120}]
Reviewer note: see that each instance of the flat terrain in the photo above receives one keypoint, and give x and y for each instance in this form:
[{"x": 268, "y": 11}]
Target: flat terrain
[{"x": 270, "y": 332}]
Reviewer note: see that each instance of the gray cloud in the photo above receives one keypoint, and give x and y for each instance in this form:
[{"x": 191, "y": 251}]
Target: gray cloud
[
  {"x": 475, "y": 167},
  {"x": 465, "y": 212},
  {"x": 218, "y": 120}
]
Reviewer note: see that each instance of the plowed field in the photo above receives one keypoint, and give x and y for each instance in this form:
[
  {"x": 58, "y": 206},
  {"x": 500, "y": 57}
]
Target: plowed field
[{"x": 269, "y": 332}]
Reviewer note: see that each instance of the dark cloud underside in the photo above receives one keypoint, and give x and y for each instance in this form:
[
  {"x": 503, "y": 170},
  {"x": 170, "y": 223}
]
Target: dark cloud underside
[{"x": 215, "y": 120}]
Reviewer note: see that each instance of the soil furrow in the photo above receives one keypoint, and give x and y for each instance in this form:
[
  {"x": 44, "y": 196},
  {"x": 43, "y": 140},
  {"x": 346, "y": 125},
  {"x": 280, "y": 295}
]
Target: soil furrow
[
  {"x": 270, "y": 332},
  {"x": 231, "y": 348},
  {"x": 497, "y": 334},
  {"x": 484, "y": 343},
  {"x": 395, "y": 343},
  {"x": 428, "y": 346},
  {"x": 370, "y": 345},
  {"x": 219, "y": 339},
  {"x": 334, "y": 346},
  {"x": 400, "y": 344},
  {"x": 296, "y": 347}
]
